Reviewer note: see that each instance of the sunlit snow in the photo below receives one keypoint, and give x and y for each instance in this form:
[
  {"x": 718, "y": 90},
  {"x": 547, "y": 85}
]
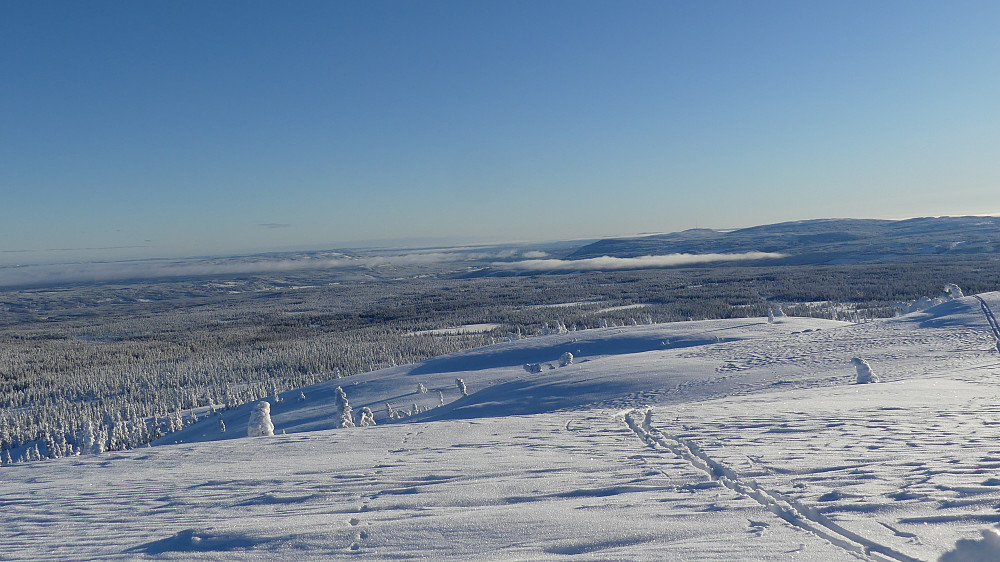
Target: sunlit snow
[{"x": 712, "y": 440}]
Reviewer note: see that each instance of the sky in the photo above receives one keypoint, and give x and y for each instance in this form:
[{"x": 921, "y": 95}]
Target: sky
[{"x": 182, "y": 128}]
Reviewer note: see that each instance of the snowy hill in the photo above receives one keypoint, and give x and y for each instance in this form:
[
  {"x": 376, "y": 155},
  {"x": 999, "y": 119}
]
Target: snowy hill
[
  {"x": 820, "y": 241},
  {"x": 711, "y": 440}
]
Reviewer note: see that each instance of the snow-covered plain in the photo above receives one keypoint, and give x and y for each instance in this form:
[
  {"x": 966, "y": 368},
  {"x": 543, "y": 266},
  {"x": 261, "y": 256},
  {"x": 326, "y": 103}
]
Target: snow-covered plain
[{"x": 713, "y": 440}]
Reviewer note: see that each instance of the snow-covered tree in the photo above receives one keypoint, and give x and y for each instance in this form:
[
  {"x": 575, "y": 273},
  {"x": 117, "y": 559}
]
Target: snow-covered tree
[
  {"x": 222, "y": 425},
  {"x": 344, "y": 409},
  {"x": 462, "y": 389},
  {"x": 367, "y": 417},
  {"x": 421, "y": 389},
  {"x": 566, "y": 359},
  {"x": 952, "y": 290},
  {"x": 865, "y": 374},
  {"x": 260, "y": 420}
]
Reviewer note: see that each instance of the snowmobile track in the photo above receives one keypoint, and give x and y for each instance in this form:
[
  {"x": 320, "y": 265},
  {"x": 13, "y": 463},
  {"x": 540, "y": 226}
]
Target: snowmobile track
[{"x": 788, "y": 509}]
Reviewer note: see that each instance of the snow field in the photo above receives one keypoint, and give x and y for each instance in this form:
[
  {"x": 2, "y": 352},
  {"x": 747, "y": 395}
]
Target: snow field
[{"x": 759, "y": 446}]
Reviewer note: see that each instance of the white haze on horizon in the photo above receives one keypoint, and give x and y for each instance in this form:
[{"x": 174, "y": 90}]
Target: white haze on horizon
[
  {"x": 92, "y": 272},
  {"x": 609, "y": 263}
]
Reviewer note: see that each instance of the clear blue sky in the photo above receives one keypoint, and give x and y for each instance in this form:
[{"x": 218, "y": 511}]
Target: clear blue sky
[{"x": 203, "y": 127}]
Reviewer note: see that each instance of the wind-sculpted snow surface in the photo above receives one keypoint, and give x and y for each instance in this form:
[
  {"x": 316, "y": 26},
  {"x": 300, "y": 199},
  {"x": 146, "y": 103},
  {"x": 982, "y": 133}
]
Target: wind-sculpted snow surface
[{"x": 758, "y": 445}]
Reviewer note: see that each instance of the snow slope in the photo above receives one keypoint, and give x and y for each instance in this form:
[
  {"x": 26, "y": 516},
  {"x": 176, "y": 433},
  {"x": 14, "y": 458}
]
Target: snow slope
[{"x": 714, "y": 440}]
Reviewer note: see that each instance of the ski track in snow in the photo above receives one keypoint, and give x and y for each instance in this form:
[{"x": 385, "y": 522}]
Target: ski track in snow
[
  {"x": 786, "y": 508},
  {"x": 991, "y": 319}
]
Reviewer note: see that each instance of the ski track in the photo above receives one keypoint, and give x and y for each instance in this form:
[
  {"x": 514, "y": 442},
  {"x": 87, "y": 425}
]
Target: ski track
[
  {"x": 786, "y": 508},
  {"x": 990, "y": 318}
]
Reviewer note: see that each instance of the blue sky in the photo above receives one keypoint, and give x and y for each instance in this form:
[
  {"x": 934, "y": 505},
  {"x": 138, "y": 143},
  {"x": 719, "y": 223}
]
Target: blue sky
[{"x": 155, "y": 129}]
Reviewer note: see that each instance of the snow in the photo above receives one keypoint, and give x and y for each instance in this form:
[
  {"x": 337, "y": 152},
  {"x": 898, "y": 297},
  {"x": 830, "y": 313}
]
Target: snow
[
  {"x": 713, "y": 440},
  {"x": 457, "y": 330}
]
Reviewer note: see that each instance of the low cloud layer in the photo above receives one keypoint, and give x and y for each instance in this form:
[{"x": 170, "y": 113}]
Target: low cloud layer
[
  {"x": 89, "y": 272},
  {"x": 608, "y": 263}
]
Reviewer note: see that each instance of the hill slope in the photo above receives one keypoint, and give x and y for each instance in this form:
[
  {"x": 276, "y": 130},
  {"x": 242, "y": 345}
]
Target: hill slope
[
  {"x": 820, "y": 241},
  {"x": 756, "y": 444}
]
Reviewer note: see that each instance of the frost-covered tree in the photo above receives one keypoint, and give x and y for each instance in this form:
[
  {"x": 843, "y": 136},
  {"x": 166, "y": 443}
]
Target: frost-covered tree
[
  {"x": 441, "y": 394},
  {"x": 344, "y": 409},
  {"x": 865, "y": 373},
  {"x": 462, "y": 389},
  {"x": 952, "y": 290},
  {"x": 260, "y": 420},
  {"x": 367, "y": 417},
  {"x": 390, "y": 411},
  {"x": 566, "y": 359},
  {"x": 421, "y": 389},
  {"x": 222, "y": 425}
]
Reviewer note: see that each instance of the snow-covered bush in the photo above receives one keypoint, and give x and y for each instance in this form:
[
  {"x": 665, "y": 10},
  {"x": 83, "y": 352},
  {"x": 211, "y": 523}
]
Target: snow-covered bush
[
  {"x": 865, "y": 374},
  {"x": 566, "y": 359},
  {"x": 260, "y": 420},
  {"x": 367, "y": 417},
  {"x": 462, "y": 389},
  {"x": 344, "y": 409},
  {"x": 533, "y": 367}
]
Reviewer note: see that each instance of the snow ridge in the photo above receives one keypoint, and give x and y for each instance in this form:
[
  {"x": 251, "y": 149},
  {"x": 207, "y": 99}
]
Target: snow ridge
[{"x": 788, "y": 509}]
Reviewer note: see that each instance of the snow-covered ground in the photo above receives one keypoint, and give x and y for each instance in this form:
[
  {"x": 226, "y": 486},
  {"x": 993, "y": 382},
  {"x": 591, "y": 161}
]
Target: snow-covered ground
[
  {"x": 715, "y": 440},
  {"x": 463, "y": 329}
]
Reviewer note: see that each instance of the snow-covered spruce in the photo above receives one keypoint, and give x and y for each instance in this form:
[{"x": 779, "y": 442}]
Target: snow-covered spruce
[
  {"x": 952, "y": 290},
  {"x": 344, "y": 409},
  {"x": 462, "y": 389},
  {"x": 421, "y": 389},
  {"x": 566, "y": 359},
  {"x": 367, "y": 417},
  {"x": 865, "y": 373},
  {"x": 260, "y": 420}
]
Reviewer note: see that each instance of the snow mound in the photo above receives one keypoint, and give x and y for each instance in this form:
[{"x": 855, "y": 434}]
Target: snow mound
[{"x": 967, "y": 550}]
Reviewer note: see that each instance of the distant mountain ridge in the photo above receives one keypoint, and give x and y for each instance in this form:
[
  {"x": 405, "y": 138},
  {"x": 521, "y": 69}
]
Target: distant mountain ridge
[{"x": 820, "y": 241}]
